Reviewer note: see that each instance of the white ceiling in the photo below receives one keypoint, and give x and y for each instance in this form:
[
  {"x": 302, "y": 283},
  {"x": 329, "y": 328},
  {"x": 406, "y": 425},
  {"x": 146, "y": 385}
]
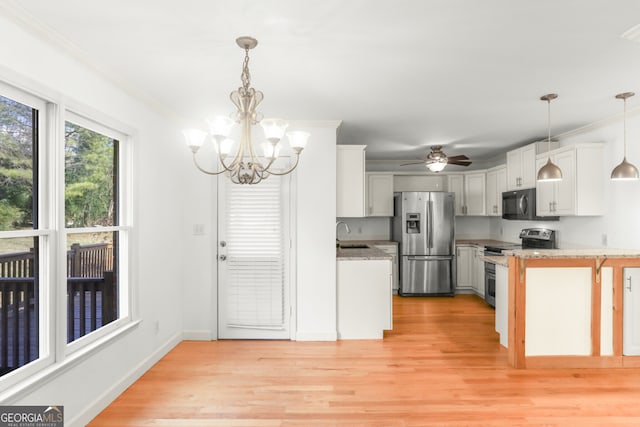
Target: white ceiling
[{"x": 401, "y": 75}]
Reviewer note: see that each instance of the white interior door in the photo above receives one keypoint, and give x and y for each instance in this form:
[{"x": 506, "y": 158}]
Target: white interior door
[
  {"x": 253, "y": 259},
  {"x": 631, "y": 321}
]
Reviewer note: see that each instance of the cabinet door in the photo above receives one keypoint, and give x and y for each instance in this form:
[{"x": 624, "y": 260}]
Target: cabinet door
[
  {"x": 565, "y": 190},
  {"x": 545, "y": 193},
  {"x": 350, "y": 181},
  {"x": 464, "y": 262},
  {"x": 514, "y": 169},
  {"x": 380, "y": 195},
  {"x": 478, "y": 272},
  {"x": 501, "y": 185},
  {"x": 631, "y": 312},
  {"x": 456, "y": 185},
  {"x": 528, "y": 164},
  {"x": 474, "y": 186},
  {"x": 393, "y": 251},
  {"x": 492, "y": 193}
]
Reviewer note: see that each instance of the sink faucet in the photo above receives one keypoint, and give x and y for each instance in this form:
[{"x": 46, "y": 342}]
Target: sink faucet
[{"x": 338, "y": 226}]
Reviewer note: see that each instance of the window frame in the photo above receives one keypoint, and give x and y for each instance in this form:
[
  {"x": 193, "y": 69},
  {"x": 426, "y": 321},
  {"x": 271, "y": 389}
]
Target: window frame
[
  {"x": 124, "y": 215},
  {"x": 56, "y": 355}
]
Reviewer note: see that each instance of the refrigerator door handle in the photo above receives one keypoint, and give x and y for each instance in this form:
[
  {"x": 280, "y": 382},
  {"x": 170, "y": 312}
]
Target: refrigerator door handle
[
  {"x": 428, "y": 258},
  {"x": 430, "y": 223}
]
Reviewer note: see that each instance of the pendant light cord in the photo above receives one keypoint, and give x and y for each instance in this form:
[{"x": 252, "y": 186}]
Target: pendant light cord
[
  {"x": 549, "y": 128},
  {"x": 624, "y": 133}
]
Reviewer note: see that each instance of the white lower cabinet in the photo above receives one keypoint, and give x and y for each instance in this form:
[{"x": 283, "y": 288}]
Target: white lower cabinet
[
  {"x": 478, "y": 271},
  {"x": 631, "y": 312},
  {"x": 364, "y": 299},
  {"x": 470, "y": 269},
  {"x": 393, "y": 251},
  {"x": 464, "y": 263},
  {"x": 502, "y": 304}
]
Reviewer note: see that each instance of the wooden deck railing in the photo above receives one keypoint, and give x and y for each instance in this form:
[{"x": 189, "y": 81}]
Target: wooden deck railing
[
  {"x": 18, "y": 322},
  {"x": 92, "y": 297},
  {"x": 91, "y": 304}
]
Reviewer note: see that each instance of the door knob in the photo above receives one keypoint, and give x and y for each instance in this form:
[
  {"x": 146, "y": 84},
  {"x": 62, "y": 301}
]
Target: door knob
[{"x": 222, "y": 257}]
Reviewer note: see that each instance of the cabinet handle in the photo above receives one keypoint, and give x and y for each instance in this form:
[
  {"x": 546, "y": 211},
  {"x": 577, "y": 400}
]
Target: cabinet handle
[{"x": 629, "y": 287}]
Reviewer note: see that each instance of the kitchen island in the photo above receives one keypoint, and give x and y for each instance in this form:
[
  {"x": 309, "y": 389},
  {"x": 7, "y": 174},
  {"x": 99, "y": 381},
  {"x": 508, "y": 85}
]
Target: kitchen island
[
  {"x": 364, "y": 291},
  {"x": 565, "y": 308}
]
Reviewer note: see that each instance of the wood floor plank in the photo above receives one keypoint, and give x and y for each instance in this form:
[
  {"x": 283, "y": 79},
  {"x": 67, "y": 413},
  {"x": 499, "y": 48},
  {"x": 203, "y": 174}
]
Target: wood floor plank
[{"x": 442, "y": 365}]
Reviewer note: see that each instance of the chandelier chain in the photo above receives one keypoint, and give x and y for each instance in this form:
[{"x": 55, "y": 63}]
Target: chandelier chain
[{"x": 246, "y": 76}]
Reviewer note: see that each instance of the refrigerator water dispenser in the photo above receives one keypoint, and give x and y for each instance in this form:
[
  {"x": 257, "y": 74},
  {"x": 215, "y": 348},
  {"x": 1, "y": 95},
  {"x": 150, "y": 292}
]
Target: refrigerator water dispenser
[{"x": 413, "y": 223}]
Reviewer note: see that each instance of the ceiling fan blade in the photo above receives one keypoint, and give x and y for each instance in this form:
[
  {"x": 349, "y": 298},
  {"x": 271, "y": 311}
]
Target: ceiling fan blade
[
  {"x": 460, "y": 157},
  {"x": 459, "y": 162},
  {"x": 413, "y": 163}
]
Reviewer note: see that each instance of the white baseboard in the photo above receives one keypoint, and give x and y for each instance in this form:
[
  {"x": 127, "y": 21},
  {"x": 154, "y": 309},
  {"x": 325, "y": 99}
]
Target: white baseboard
[
  {"x": 118, "y": 388},
  {"x": 317, "y": 336},
  {"x": 204, "y": 335}
]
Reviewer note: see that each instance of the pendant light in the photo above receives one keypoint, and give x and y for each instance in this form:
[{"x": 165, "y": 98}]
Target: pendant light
[
  {"x": 625, "y": 171},
  {"x": 549, "y": 172}
]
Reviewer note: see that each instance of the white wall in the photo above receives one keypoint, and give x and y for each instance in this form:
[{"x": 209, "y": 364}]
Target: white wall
[
  {"x": 315, "y": 240},
  {"x": 30, "y": 63}
]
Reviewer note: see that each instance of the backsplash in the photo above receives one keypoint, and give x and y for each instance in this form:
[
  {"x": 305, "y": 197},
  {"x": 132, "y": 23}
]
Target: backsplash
[{"x": 371, "y": 228}]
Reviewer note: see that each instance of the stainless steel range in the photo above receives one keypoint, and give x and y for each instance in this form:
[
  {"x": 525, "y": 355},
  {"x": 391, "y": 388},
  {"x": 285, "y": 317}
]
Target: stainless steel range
[
  {"x": 490, "y": 271},
  {"x": 532, "y": 238}
]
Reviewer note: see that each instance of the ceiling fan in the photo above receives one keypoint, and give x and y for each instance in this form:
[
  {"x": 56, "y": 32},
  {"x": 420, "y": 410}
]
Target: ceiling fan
[{"x": 436, "y": 160}]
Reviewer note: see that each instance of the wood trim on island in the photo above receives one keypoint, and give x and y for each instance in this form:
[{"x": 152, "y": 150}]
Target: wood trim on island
[{"x": 517, "y": 307}]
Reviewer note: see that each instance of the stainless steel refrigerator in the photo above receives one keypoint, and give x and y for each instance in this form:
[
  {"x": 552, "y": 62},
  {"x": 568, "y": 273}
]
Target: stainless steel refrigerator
[{"x": 424, "y": 224}]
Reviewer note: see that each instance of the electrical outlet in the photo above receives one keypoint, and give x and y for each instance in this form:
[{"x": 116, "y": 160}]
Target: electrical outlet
[
  {"x": 501, "y": 231},
  {"x": 156, "y": 327},
  {"x": 604, "y": 240},
  {"x": 198, "y": 229}
]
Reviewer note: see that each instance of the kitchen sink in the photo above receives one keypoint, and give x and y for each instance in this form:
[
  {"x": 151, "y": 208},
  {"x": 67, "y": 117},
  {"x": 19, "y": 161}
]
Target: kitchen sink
[{"x": 353, "y": 246}]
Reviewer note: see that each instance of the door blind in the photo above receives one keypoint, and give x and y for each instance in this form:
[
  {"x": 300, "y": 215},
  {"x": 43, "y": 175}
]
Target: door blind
[{"x": 255, "y": 255}]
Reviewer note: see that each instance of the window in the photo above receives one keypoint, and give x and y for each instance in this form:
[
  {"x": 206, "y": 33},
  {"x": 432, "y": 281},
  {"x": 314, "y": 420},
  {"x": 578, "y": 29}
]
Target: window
[
  {"x": 20, "y": 291},
  {"x": 91, "y": 220},
  {"x": 59, "y": 236}
]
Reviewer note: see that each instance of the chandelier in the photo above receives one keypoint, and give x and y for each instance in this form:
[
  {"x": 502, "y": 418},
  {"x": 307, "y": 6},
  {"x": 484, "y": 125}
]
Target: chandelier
[{"x": 245, "y": 166}]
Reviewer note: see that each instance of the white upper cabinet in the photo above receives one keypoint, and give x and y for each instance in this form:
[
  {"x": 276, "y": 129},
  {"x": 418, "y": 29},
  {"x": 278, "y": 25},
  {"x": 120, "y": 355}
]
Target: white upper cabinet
[
  {"x": 418, "y": 182},
  {"x": 469, "y": 189},
  {"x": 379, "y": 194},
  {"x": 350, "y": 181},
  {"x": 521, "y": 168},
  {"x": 581, "y": 191},
  {"x": 455, "y": 184},
  {"x": 495, "y": 186}
]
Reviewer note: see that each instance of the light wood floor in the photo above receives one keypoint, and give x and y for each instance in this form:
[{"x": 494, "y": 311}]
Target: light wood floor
[{"x": 441, "y": 366}]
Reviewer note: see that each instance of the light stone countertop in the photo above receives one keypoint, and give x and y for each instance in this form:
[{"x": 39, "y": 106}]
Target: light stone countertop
[
  {"x": 573, "y": 253},
  {"x": 484, "y": 242},
  {"x": 357, "y": 254},
  {"x": 498, "y": 260}
]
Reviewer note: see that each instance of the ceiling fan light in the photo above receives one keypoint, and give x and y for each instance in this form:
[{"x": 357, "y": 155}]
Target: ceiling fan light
[
  {"x": 549, "y": 172},
  {"x": 625, "y": 171},
  {"x": 436, "y": 166}
]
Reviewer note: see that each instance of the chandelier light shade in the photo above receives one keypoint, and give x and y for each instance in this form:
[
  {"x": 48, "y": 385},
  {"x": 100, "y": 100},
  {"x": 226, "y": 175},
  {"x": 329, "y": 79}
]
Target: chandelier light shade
[
  {"x": 550, "y": 171},
  {"x": 247, "y": 163},
  {"x": 625, "y": 171}
]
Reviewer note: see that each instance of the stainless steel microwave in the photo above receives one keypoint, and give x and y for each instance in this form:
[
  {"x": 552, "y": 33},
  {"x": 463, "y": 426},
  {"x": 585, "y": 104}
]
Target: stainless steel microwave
[{"x": 521, "y": 205}]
